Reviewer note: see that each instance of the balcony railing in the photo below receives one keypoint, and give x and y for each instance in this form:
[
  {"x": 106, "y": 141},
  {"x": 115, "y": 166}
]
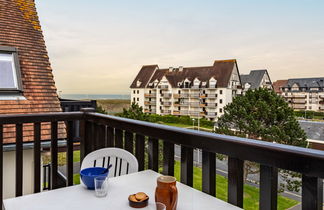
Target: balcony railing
[
  {"x": 166, "y": 103},
  {"x": 194, "y": 104},
  {"x": 150, "y": 102},
  {"x": 211, "y": 114},
  {"x": 184, "y": 95},
  {"x": 166, "y": 95},
  {"x": 194, "y": 95},
  {"x": 211, "y": 105},
  {"x": 150, "y": 95},
  {"x": 299, "y": 101},
  {"x": 176, "y": 95},
  {"x": 99, "y": 131},
  {"x": 184, "y": 104},
  {"x": 211, "y": 95},
  {"x": 166, "y": 111}
]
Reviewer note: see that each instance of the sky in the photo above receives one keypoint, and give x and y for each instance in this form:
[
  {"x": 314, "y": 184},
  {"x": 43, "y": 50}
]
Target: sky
[{"x": 98, "y": 46}]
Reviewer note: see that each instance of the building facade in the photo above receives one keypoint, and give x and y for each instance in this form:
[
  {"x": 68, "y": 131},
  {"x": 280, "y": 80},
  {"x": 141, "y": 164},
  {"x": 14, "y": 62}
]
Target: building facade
[
  {"x": 303, "y": 93},
  {"x": 198, "y": 92},
  {"x": 256, "y": 79}
]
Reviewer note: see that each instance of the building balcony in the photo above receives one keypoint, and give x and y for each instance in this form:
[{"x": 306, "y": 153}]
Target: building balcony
[
  {"x": 176, "y": 95},
  {"x": 150, "y": 111},
  {"x": 202, "y": 105},
  {"x": 166, "y": 95},
  {"x": 195, "y": 87},
  {"x": 211, "y": 95},
  {"x": 297, "y": 106},
  {"x": 166, "y": 103},
  {"x": 176, "y": 113},
  {"x": 298, "y": 101},
  {"x": 194, "y": 95},
  {"x": 211, "y": 105},
  {"x": 298, "y": 96},
  {"x": 184, "y": 104},
  {"x": 99, "y": 131},
  {"x": 165, "y": 111},
  {"x": 194, "y": 104},
  {"x": 163, "y": 87},
  {"x": 211, "y": 114},
  {"x": 150, "y": 103},
  {"x": 203, "y": 95},
  {"x": 150, "y": 95},
  {"x": 195, "y": 113},
  {"x": 184, "y": 95}
]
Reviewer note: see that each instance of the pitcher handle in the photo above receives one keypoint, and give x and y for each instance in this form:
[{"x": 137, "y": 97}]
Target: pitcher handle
[{"x": 174, "y": 196}]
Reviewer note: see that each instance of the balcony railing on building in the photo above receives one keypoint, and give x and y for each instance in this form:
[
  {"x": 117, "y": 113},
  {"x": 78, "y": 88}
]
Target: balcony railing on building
[
  {"x": 166, "y": 95},
  {"x": 176, "y": 95},
  {"x": 299, "y": 101},
  {"x": 211, "y": 95},
  {"x": 166, "y": 103},
  {"x": 194, "y": 95},
  {"x": 100, "y": 131},
  {"x": 152, "y": 103},
  {"x": 184, "y": 95},
  {"x": 211, "y": 105},
  {"x": 211, "y": 114},
  {"x": 150, "y": 111},
  {"x": 150, "y": 95},
  {"x": 184, "y": 103},
  {"x": 163, "y": 111},
  {"x": 194, "y": 104}
]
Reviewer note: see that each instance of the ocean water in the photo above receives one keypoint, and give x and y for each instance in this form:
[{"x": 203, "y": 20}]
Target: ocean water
[{"x": 94, "y": 96}]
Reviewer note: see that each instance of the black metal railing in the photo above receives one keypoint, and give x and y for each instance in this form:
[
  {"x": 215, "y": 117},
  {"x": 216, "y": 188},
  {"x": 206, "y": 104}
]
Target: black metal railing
[{"x": 99, "y": 131}]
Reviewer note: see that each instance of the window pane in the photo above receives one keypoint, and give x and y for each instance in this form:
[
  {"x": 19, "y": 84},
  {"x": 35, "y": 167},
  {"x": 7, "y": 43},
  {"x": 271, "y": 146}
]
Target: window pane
[{"x": 7, "y": 71}]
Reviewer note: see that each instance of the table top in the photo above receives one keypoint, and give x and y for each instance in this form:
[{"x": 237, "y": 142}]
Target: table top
[{"x": 119, "y": 188}]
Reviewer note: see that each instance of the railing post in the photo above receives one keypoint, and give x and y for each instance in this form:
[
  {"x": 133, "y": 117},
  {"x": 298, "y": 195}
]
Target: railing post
[
  {"x": 235, "y": 181},
  {"x": 168, "y": 158},
  {"x": 312, "y": 193},
  {"x": 19, "y": 159},
  {"x": 37, "y": 157},
  {"x": 268, "y": 187},
  {"x": 153, "y": 154},
  {"x": 209, "y": 173},
  {"x": 186, "y": 165},
  {"x": 85, "y": 133}
]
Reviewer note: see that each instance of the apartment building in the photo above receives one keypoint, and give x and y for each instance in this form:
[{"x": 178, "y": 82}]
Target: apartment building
[
  {"x": 199, "y": 92},
  {"x": 256, "y": 79},
  {"x": 302, "y": 93}
]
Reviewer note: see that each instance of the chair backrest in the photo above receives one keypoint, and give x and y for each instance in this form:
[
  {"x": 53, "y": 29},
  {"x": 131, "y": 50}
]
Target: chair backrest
[{"x": 123, "y": 162}]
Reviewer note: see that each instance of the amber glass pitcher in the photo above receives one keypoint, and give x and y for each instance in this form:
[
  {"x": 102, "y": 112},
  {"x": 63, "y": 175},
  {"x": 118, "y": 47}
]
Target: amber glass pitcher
[{"x": 166, "y": 192}]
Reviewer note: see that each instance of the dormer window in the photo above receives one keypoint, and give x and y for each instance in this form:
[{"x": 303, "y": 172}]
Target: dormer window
[
  {"x": 138, "y": 83},
  {"x": 10, "y": 79},
  {"x": 212, "y": 82}
]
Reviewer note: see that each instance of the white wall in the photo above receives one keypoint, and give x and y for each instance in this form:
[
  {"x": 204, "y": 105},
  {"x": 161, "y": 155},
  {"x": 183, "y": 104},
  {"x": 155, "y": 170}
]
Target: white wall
[
  {"x": 9, "y": 173},
  {"x": 139, "y": 94}
]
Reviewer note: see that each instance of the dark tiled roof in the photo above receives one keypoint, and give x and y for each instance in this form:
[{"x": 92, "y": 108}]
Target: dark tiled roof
[
  {"x": 221, "y": 71},
  {"x": 277, "y": 85},
  {"x": 254, "y": 78},
  {"x": 144, "y": 76},
  {"x": 20, "y": 28},
  {"x": 313, "y": 130},
  {"x": 307, "y": 82}
]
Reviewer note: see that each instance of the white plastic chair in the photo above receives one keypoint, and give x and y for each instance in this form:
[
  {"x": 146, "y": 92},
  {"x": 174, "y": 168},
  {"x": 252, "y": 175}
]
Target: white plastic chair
[{"x": 123, "y": 162}]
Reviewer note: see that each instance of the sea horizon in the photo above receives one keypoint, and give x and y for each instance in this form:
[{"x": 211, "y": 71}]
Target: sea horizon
[{"x": 94, "y": 96}]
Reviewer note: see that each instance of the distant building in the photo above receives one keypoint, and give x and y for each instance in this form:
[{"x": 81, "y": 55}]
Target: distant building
[
  {"x": 303, "y": 93},
  {"x": 256, "y": 79},
  {"x": 314, "y": 132},
  {"x": 278, "y": 85},
  {"x": 187, "y": 91}
]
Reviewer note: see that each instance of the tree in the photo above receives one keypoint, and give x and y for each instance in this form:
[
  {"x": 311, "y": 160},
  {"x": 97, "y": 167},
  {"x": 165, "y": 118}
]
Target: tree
[
  {"x": 263, "y": 115},
  {"x": 134, "y": 112}
]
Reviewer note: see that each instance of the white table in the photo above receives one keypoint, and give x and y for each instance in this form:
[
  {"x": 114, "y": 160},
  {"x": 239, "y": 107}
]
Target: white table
[{"x": 78, "y": 198}]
